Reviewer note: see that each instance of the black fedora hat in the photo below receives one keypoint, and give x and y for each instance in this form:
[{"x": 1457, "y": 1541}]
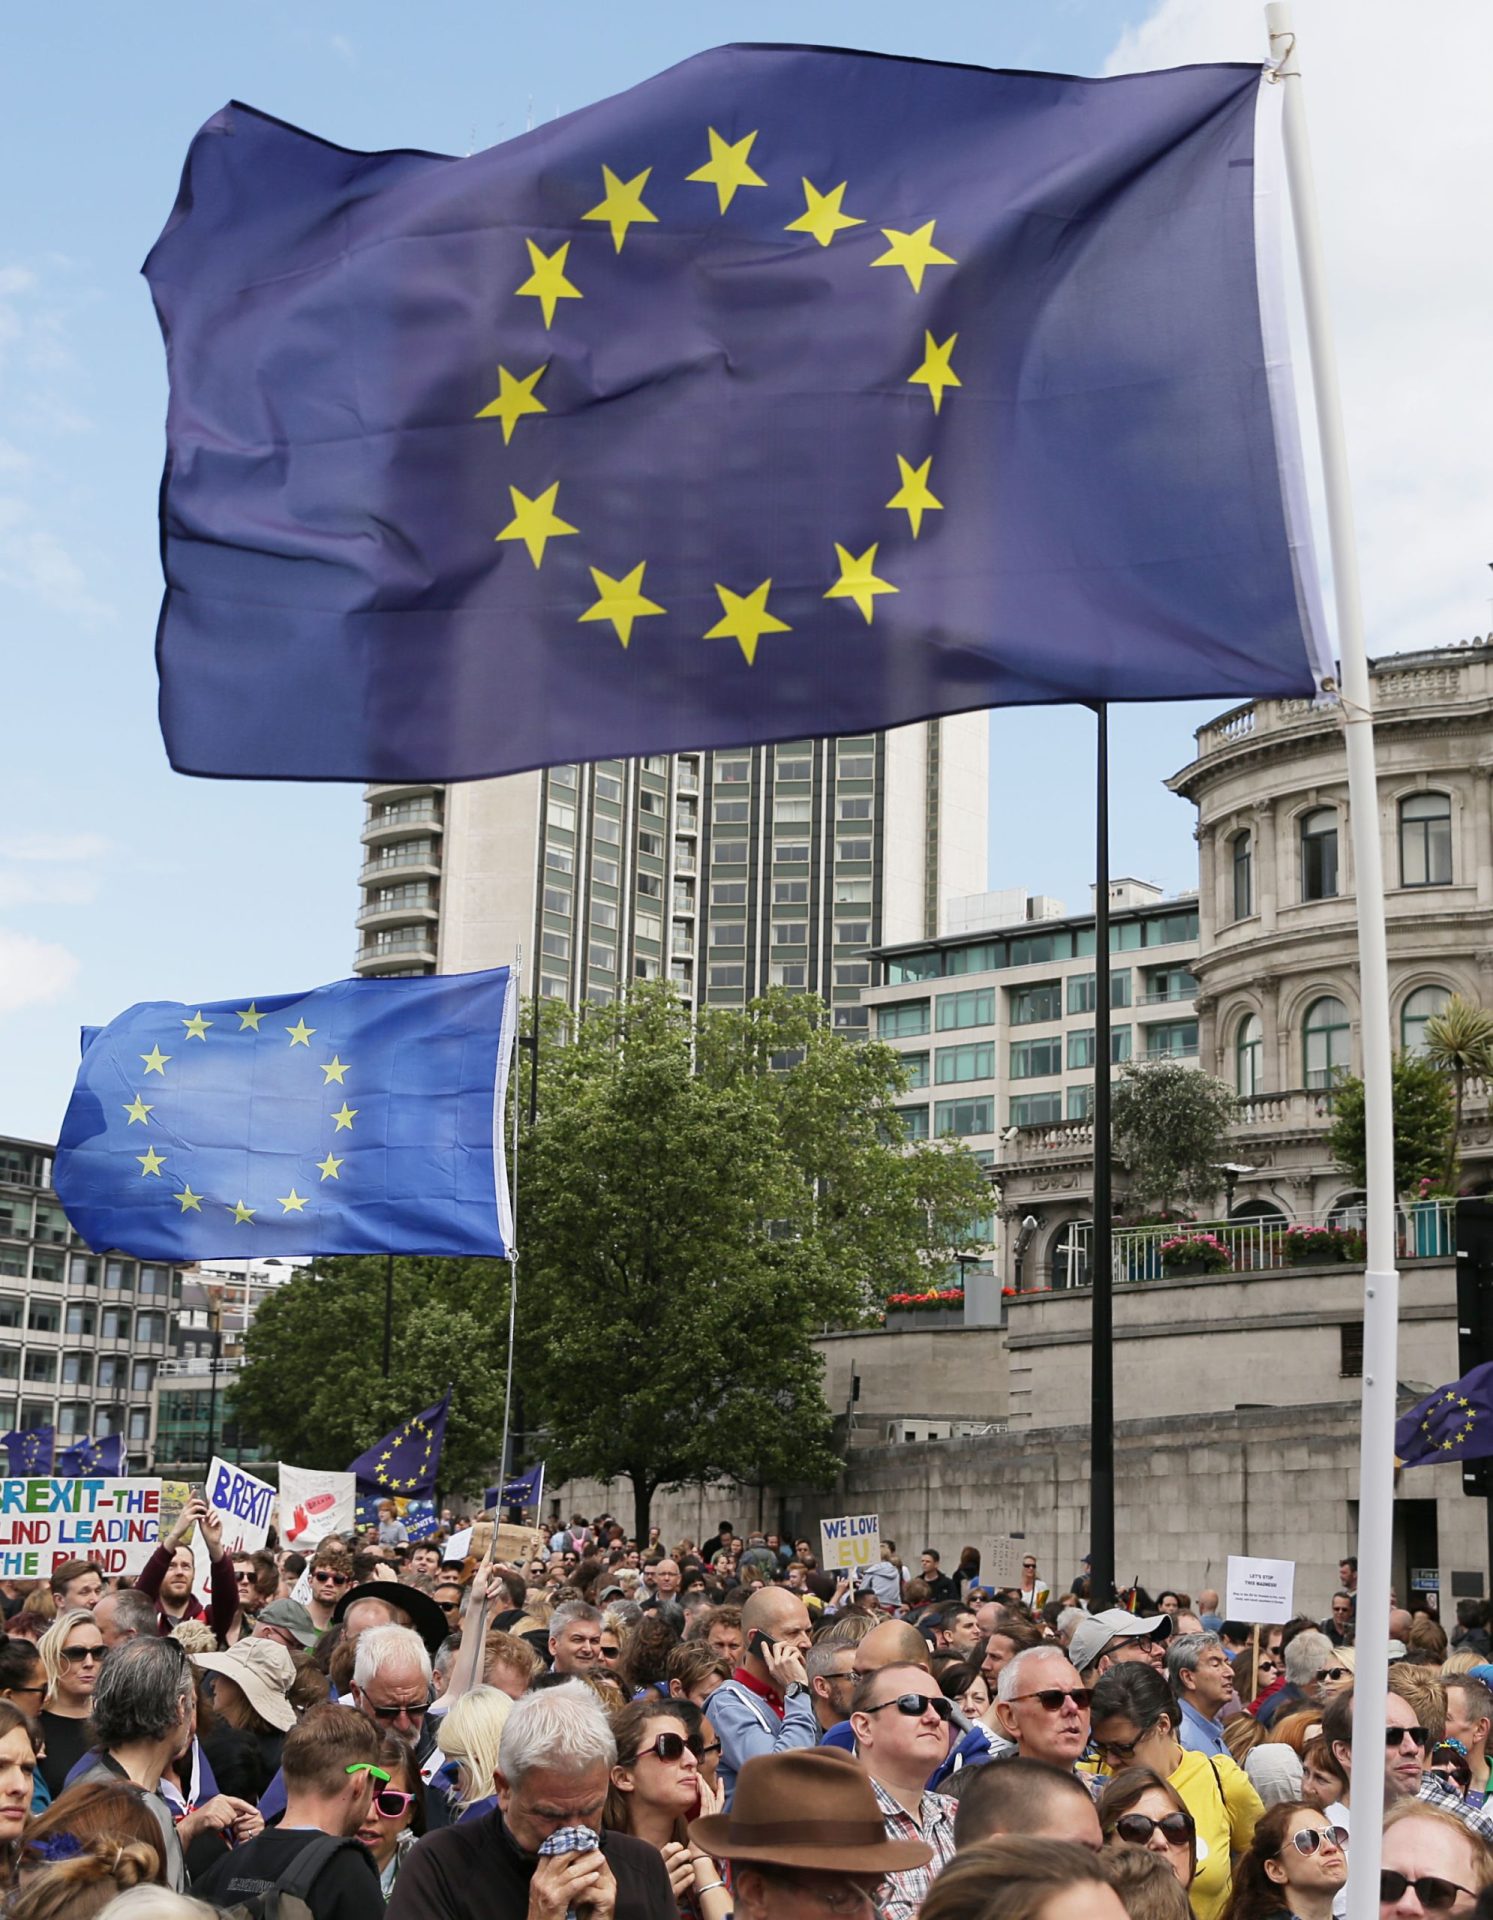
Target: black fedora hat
[{"x": 425, "y": 1616}]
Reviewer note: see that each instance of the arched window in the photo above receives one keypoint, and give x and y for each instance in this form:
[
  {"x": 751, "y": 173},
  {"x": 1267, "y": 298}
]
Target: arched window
[
  {"x": 1242, "y": 847},
  {"x": 1426, "y": 840},
  {"x": 1326, "y": 1041},
  {"x": 1319, "y": 854},
  {"x": 1419, "y": 1007},
  {"x": 1249, "y": 1057}
]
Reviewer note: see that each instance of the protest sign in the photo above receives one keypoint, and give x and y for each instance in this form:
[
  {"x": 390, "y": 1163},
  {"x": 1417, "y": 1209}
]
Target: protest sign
[
  {"x": 853, "y": 1540},
  {"x": 242, "y": 1502},
  {"x": 114, "y": 1523},
  {"x": 1259, "y": 1590},
  {"x": 314, "y": 1504},
  {"x": 1006, "y": 1556}
]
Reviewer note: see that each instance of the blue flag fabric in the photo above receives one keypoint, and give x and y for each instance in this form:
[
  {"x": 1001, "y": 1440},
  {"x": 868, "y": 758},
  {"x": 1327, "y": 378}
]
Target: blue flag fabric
[
  {"x": 86, "y": 1457},
  {"x": 1453, "y": 1423},
  {"x": 522, "y": 1491},
  {"x": 792, "y": 391},
  {"x": 29, "y": 1452},
  {"x": 407, "y": 1460},
  {"x": 362, "y": 1117}
]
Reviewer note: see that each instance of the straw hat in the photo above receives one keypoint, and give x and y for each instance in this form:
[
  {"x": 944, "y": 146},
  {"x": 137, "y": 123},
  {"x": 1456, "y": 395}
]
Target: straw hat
[
  {"x": 809, "y": 1807},
  {"x": 264, "y": 1672}
]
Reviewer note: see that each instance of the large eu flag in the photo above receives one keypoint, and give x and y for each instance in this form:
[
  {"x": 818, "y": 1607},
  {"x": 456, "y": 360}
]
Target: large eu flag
[
  {"x": 407, "y": 1459},
  {"x": 362, "y": 1117},
  {"x": 793, "y": 391},
  {"x": 1453, "y": 1423}
]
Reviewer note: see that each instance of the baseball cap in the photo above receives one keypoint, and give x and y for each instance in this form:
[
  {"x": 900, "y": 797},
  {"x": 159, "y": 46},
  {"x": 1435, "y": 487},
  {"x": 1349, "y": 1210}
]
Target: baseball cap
[{"x": 1093, "y": 1635}]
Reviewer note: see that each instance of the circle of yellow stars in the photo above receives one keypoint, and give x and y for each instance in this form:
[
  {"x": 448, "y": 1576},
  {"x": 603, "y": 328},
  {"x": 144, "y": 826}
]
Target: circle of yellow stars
[
  {"x": 1451, "y": 1396},
  {"x": 413, "y": 1426},
  {"x": 196, "y": 1027},
  {"x": 536, "y": 520}
]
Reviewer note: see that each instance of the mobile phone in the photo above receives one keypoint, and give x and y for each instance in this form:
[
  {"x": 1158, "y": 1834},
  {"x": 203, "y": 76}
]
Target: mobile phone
[{"x": 760, "y": 1643}]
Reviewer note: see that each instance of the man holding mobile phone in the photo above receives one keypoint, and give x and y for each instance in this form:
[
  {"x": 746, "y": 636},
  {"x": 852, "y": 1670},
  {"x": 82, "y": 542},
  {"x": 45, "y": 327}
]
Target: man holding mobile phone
[{"x": 766, "y": 1706}]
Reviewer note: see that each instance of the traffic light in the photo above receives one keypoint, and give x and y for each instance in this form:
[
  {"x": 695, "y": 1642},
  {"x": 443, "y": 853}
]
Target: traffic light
[{"x": 1475, "y": 1314}]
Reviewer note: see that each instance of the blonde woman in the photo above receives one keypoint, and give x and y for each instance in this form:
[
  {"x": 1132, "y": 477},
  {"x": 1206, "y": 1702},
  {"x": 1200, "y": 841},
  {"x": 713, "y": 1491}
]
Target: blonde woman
[
  {"x": 471, "y": 1734},
  {"x": 72, "y": 1651}
]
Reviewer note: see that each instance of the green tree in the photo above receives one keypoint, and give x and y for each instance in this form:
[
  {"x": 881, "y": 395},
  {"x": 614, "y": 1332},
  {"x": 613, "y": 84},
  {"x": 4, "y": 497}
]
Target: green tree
[
  {"x": 1170, "y": 1125},
  {"x": 1459, "y": 1041},
  {"x": 698, "y": 1199},
  {"x": 1424, "y": 1113},
  {"x": 312, "y": 1386}
]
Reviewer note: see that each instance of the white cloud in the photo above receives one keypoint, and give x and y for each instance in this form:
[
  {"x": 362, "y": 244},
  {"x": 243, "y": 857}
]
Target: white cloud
[
  {"x": 32, "y": 972},
  {"x": 47, "y": 889},
  {"x": 35, "y": 561},
  {"x": 56, "y": 846},
  {"x": 1402, "y": 146}
]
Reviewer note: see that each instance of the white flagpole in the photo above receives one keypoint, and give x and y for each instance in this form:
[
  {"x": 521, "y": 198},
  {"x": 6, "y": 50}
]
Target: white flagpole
[{"x": 1381, "y": 1303}]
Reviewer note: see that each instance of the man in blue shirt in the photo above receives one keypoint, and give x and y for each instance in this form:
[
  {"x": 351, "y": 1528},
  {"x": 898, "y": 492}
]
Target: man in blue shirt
[{"x": 1202, "y": 1678}]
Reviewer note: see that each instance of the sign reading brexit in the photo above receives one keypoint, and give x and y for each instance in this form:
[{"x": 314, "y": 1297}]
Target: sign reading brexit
[{"x": 114, "y": 1523}]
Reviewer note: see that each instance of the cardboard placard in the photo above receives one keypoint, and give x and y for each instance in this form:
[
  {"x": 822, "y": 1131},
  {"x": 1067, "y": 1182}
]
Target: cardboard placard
[
  {"x": 852, "y": 1540},
  {"x": 1259, "y": 1590},
  {"x": 1004, "y": 1566},
  {"x": 314, "y": 1504},
  {"x": 44, "y": 1523}
]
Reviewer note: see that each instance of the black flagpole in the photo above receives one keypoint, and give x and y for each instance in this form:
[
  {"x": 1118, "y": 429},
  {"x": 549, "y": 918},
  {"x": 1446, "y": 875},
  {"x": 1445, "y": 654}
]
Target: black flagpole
[{"x": 1101, "y": 1338}]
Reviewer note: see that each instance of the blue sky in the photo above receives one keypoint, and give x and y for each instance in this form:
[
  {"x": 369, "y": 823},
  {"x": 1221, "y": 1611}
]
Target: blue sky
[{"x": 122, "y": 881}]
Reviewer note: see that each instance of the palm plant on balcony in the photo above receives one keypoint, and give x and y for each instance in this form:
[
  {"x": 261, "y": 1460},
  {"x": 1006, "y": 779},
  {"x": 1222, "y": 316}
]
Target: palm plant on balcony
[{"x": 1459, "y": 1041}]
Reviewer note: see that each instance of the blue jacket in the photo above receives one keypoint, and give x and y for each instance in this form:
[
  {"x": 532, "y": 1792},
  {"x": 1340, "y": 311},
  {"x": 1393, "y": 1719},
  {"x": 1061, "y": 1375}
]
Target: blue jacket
[{"x": 746, "y": 1725}]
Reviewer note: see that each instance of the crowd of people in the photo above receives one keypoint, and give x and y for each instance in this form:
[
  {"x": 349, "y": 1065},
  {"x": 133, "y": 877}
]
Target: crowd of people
[{"x": 623, "y": 1730}]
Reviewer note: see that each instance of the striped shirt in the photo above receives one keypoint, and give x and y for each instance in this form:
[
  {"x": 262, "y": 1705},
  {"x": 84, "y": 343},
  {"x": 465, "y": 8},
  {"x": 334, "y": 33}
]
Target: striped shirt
[{"x": 908, "y": 1889}]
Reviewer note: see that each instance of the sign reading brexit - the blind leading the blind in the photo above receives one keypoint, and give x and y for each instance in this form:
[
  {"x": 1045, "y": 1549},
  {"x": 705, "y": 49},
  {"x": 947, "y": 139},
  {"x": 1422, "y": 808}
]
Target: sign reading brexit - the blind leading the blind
[{"x": 43, "y": 1523}]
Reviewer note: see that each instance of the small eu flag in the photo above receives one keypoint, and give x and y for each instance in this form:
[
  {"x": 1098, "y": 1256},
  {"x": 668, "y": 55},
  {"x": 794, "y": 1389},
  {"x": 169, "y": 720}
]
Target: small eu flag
[
  {"x": 29, "y": 1451},
  {"x": 362, "y": 1117},
  {"x": 86, "y": 1457},
  {"x": 794, "y": 391},
  {"x": 1453, "y": 1423},
  {"x": 408, "y": 1459},
  {"x": 524, "y": 1490}
]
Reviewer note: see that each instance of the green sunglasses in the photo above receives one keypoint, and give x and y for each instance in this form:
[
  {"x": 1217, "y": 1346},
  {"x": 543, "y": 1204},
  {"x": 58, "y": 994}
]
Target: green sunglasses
[{"x": 363, "y": 1766}]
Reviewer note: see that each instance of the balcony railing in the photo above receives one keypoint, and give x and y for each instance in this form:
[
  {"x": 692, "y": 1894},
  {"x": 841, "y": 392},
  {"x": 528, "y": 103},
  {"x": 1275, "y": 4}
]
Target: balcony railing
[{"x": 1168, "y": 996}]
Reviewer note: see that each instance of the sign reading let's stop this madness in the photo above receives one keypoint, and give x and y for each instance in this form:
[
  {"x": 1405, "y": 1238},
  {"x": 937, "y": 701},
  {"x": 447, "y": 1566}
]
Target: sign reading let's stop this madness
[{"x": 44, "y": 1523}]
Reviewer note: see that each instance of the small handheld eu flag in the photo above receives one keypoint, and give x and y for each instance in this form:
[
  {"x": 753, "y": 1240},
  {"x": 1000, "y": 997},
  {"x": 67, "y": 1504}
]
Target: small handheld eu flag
[
  {"x": 408, "y": 1459},
  {"x": 362, "y": 1117}
]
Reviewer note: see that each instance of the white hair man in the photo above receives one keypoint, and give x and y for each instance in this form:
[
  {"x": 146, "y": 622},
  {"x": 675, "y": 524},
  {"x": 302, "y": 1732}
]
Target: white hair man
[
  {"x": 542, "y": 1852},
  {"x": 1043, "y": 1706}
]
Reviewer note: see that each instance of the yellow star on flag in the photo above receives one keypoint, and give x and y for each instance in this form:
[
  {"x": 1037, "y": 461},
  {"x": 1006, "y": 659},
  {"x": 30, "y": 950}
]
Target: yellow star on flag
[
  {"x": 248, "y": 1016},
  {"x": 728, "y": 167},
  {"x": 334, "y": 1069},
  {"x": 622, "y": 601},
  {"x": 623, "y": 204},
  {"x": 822, "y": 216},
  {"x": 936, "y": 373},
  {"x": 330, "y": 1167},
  {"x": 242, "y": 1214},
  {"x": 535, "y": 521},
  {"x": 197, "y": 1027},
  {"x": 137, "y": 1110},
  {"x": 188, "y": 1201},
  {"x": 858, "y": 581},
  {"x": 547, "y": 283},
  {"x": 300, "y": 1034},
  {"x": 515, "y": 399},
  {"x": 155, "y": 1061},
  {"x": 151, "y": 1162},
  {"x": 914, "y": 253},
  {"x": 345, "y": 1116},
  {"x": 914, "y": 496},
  {"x": 745, "y": 619},
  {"x": 292, "y": 1202}
]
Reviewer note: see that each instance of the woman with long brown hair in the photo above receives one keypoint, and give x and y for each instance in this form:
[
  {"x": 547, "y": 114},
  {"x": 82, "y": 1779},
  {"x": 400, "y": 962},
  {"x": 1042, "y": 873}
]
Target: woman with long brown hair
[
  {"x": 657, "y": 1789},
  {"x": 1293, "y": 1868},
  {"x": 18, "y": 1766}
]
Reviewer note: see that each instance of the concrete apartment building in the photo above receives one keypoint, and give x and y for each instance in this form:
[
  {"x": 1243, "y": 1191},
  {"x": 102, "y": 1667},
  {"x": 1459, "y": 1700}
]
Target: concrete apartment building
[
  {"x": 82, "y": 1335},
  {"x": 725, "y": 872}
]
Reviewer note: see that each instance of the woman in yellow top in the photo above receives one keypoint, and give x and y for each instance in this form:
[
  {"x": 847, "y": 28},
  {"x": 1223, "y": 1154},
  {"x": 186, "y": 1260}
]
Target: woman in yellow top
[{"x": 1134, "y": 1721}]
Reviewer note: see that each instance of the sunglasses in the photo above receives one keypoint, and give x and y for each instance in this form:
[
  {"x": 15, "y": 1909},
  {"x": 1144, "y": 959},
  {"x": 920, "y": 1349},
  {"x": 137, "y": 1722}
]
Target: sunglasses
[
  {"x": 41, "y": 1689},
  {"x": 366, "y": 1766},
  {"x": 244, "y": 1579},
  {"x": 1137, "y": 1828},
  {"x": 1311, "y": 1838},
  {"x": 915, "y": 1705},
  {"x": 1435, "y": 1895},
  {"x": 1333, "y": 1673},
  {"x": 1051, "y": 1699},
  {"x": 668, "y": 1746},
  {"x": 75, "y": 1656},
  {"x": 415, "y": 1709},
  {"x": 1395, "y": 1737},
  {"x": 326, "y": 1573},
  {"x": 390, "y": 1803},
  {"x": 1268, "y": 1666}
]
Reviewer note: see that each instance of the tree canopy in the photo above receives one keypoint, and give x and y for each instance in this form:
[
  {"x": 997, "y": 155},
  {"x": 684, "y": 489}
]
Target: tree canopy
[
  {"x": 700, "y": 1196},
  {"x": 312, "y": 1387},
  {"x": 1170, "y": 1125},
  {"x": 1424, "y": 1120}
]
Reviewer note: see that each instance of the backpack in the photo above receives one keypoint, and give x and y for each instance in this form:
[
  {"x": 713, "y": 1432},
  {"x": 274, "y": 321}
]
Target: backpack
[{"x": 290, "y": 1897}]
